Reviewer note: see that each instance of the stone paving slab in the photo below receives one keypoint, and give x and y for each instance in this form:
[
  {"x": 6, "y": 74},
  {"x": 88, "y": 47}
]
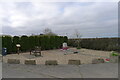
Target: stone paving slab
[
  {"x": 30, "y": 62},
  {"x": 106, "y": 70},
  {"x": 103, "y": 70},
  {"x": 13, "y": 61}
]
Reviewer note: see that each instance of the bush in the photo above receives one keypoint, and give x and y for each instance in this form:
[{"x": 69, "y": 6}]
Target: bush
[
  {"x": 16, "y": 40},
  {"x": 114, "y": 54},
  {"x": 0, "y": 44},
  {"x": 7, "y": 43},
  {"x": 29, "y": 42},
  {"x": 108, "y": 44},
  {"x": 24, "y": 41}
]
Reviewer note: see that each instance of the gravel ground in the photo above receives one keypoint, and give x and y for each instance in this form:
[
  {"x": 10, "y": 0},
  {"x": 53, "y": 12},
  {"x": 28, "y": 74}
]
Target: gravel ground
[{"x": 85, "y": 55}]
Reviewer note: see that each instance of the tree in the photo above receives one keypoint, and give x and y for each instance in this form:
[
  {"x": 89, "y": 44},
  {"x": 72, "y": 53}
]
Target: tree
[
  {"x": 6, "y": 42},
  {"x": 78, "y": 36},
  {"x": 48, "y": 32},
  {"x": 24, "y": 43},
  {"x": 16, "y": 40}
]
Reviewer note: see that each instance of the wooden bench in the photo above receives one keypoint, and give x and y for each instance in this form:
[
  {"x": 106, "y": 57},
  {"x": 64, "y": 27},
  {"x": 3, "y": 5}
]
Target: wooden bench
[{"x": 36, "y": 51}]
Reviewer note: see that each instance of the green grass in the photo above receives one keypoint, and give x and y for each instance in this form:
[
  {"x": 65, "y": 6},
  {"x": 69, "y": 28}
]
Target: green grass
[
  {"x": 78, "y": 47},
  {"x": 114, "y": 54}
]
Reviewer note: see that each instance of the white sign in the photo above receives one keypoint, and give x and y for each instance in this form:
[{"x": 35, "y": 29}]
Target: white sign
[
  {"x": 18, "y": 45},
  {"x": 64, "y": 45}
]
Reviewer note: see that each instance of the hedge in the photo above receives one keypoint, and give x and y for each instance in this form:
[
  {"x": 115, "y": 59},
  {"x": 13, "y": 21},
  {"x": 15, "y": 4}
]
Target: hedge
[
  {"x": 30, "y": 42},
  {"x": 0, "y": 44},
  {"x": 15, "y": 40},
  {"x": 7, "y": 43},
  {"x": 24, "y": 42},
  {"x": 107, "y": 44}
]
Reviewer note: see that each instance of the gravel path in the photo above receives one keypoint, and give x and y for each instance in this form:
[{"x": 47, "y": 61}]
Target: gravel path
[{"x": 85, "y": 55}]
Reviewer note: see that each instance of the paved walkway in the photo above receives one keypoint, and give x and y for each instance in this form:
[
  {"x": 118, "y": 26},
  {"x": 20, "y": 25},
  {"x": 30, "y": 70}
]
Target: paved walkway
[{"x": 106, "y": 70}]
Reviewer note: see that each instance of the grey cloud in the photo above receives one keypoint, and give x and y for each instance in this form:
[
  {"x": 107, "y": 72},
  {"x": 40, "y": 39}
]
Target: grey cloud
[{"x": 91, "y": 19}]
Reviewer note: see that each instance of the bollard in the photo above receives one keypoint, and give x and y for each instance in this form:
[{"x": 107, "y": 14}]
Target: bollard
[
  {"x": 13, "y": 61},
  {"x": 74, "y": 62},
  {"x": 30, "y": 62},
  {"x": 51, "y": 62}
]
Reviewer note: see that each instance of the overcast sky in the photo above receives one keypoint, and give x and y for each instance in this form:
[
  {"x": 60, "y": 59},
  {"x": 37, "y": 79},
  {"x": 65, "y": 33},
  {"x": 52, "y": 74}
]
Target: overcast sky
[{"x": 91, "y": 19}]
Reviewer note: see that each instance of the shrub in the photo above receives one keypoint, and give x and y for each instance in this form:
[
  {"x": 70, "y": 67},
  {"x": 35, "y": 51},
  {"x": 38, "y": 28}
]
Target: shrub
[
  {"x": 24, "y": 41},
  {"x": 15, "y": 40},
  {"x": 107, "y": 44},
  {"x": 29, "y": 42},
  {"x": 114, "y": 54},
  {"x": 7, "y": 43}
]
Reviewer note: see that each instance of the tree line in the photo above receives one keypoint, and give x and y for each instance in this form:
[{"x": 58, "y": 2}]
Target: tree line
[
  {"x": 29, "y": 42},
  {"x": 106, "y": 44}
]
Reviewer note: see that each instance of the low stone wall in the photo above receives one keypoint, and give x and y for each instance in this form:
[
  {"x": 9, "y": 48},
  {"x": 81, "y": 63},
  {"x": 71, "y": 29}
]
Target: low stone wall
[
  {"x": 13, "y": 61},
  {"x": 30, "y": 62},
  {"x": 113, "y": 59},
  {"x": 51, "y": 62},
  {"x": 74, "y": 62}
]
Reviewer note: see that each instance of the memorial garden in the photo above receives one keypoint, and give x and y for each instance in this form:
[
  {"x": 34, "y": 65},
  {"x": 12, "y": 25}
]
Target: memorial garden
[
  {"x": 42, "y": 56},
  {"x": 41, "y": 49}
]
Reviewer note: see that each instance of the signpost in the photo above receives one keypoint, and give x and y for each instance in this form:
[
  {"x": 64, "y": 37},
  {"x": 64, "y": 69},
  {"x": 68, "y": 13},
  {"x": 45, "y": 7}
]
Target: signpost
[{"x": 18, "y": 48}]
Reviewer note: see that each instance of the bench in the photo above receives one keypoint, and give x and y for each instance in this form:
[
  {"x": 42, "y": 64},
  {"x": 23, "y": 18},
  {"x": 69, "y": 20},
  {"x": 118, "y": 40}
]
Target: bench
[{"x": 36, "y": 51}]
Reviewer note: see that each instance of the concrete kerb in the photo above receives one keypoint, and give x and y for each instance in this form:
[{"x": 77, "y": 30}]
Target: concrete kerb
[
  {"x": 74, "y": 62},
  {"x": 47, "y": 62},
  {"x": 30, "y": 62},
  {"x": 13, "y": 61},
  {"x": 51, "y": 62}
]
